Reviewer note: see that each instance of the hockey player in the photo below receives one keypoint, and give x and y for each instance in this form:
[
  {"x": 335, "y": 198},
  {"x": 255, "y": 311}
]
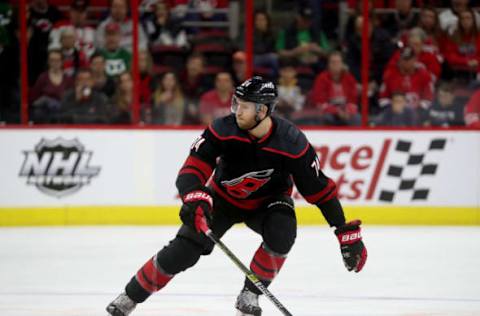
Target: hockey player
[{"x": 260, "y": 157}]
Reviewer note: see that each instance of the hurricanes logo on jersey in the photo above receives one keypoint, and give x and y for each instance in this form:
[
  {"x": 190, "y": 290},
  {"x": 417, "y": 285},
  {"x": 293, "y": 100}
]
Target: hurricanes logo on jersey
[{"x": 248, "y": 183}]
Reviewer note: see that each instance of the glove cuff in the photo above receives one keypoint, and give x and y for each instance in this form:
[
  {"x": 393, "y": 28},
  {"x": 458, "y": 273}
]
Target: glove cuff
[
  {"x": 349, "y": 233},
  {"x": 196, "y": 196}
]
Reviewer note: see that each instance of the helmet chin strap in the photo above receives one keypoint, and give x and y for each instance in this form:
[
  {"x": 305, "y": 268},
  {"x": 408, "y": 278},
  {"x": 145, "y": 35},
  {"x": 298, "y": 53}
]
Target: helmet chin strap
[{"x": 257, "y": 118}]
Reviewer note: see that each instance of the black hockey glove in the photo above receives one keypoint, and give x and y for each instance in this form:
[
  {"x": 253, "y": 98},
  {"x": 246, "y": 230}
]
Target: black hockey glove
[
  {"x": 353, "y": 251},
  {"x": 196, "y": 209}
]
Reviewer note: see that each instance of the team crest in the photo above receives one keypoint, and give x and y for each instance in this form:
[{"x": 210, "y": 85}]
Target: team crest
[{"x": 243, "y": 186}]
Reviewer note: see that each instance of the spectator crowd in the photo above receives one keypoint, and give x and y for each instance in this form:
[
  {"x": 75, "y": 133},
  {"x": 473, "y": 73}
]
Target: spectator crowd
[{"x": 424, "y": 62}]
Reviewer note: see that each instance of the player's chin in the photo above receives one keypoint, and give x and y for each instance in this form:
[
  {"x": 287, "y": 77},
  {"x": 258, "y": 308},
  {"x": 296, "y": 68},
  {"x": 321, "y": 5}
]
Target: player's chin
[{"x": 243, "y": 124}]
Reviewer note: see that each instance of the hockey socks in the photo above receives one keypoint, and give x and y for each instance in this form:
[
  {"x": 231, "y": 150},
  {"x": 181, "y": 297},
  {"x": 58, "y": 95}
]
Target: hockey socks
[
  {"x": 265, "y": 264},
  {"x": 148, "y": 280}
]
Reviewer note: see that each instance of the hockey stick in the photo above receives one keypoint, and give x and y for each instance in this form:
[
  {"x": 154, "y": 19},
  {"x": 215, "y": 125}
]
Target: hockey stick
[{"x": 249, "y": 274}]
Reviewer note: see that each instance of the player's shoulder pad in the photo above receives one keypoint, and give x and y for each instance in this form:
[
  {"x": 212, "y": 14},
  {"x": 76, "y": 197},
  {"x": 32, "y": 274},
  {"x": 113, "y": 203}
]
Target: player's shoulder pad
[
  {"x": 225, "y": 128},
  {"x": 288, "y": 140}
]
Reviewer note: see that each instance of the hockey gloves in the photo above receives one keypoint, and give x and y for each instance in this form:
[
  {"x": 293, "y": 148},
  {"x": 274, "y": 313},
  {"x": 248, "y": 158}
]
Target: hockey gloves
[
  {"x": 353, "y": 251},
  {"x": 196, "y": 209}
]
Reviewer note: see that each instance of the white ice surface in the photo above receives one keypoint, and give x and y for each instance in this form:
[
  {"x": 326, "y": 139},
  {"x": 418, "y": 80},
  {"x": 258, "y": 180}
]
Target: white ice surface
[{"x": 411, "y": 271}]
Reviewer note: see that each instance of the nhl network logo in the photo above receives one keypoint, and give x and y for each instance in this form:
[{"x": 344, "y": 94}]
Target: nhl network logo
[{"x": 58, "y": 167}]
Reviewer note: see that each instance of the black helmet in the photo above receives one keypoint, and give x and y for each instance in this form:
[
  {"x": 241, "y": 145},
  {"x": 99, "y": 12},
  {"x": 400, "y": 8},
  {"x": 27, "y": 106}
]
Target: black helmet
[{"x": 259, "y": 91}]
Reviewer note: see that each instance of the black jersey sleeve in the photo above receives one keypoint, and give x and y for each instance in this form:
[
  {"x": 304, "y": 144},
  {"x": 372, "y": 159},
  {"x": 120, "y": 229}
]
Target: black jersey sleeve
[
  {"x": 200, "y": 163},
  {"x": 317, "y": 188}
]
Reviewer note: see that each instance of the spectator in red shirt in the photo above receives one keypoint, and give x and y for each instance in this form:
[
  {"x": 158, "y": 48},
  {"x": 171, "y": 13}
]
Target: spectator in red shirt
[
  {"x": 410, "y": 78},
  {"x": 145, "y": 65},
  {"x": 335, "y": 94},
  {"x": 416, "y": 40},
  {"x": 217, "y": 102},
  {"x": 472, "y": 111},
  {"x": 462, "y": 48}
]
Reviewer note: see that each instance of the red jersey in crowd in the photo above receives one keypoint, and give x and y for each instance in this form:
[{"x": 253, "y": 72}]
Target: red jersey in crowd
[
  {"x": 418, "y": 86},
  {"x": 429, "y": 59},
  {"x": 458, "y": 54},
  {"x": 212, "y": 104},
  {"x": 327, "y": 94},
  {"x": 472, "y": 111}
]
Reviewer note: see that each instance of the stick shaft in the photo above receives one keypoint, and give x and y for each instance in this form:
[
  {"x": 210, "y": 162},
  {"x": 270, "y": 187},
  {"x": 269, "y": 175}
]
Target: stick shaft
[{"x": 249, "y": 274}]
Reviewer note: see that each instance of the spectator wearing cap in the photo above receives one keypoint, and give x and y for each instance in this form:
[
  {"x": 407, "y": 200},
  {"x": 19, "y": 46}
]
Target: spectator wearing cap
[
  {"x": 84, "y": 34},
  {"x": 416, "y": 39},
  {"x": 119, "y": 16},
  {"x": 410, "y": 78},
  {"x": 334, "y": 93},
  {"x": 73, "y": 58},
  {"x": 117, "y": 58},
  {"x": 472, "y": 111},
  {"x": 462, "y": 48},
  {"x": 162, "y": 29},
  {"x": 217, "y": 102},
  {"x": 449, "y": 18},
  {"x": 302, "y": 41},
  {"x": 446, "y": 110},
  {"x": 399, "y": 114}
]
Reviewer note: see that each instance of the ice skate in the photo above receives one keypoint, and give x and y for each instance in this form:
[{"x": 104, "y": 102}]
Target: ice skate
[
  {"x": 247, "y": 304},
  {"x": 121, "y": 306}
]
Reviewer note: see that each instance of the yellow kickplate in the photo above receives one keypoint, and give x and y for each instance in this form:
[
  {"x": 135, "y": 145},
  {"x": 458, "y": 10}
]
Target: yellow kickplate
[{"x": 168, "y": 215}]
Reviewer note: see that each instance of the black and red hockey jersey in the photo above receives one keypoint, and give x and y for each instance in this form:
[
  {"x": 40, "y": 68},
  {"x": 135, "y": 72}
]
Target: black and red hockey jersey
[{"x": 248, "y": 171}]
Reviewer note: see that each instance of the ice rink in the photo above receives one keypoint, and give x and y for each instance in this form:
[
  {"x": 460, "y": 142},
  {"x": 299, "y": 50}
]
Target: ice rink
[{"x": 411, "y": 271}]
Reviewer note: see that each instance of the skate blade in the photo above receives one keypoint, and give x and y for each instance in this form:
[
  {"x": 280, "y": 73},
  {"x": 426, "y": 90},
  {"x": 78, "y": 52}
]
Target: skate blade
[{"x": 239, "y": 313}]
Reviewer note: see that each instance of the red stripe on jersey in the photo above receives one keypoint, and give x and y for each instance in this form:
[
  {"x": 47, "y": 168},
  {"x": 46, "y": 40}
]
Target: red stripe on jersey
[
  {"x": 276, "y": 151},
  {"x": 199, "y": 164},
  {"x": 151, "y": 278},
  {"x": 200, "y": 175},
  {"x": 242, "y": 139},
  {"x": 327, "y": 193},
  {"x": 243, "y": 204}
]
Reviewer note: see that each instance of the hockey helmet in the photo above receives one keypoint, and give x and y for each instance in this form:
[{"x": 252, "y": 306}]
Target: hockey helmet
[{"x": 257, "y": 90}]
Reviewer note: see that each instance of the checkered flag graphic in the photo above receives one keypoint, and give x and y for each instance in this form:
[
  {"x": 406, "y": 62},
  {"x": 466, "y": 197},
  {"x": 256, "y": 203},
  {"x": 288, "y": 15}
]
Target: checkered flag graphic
[{"x": 407, "y": 183}]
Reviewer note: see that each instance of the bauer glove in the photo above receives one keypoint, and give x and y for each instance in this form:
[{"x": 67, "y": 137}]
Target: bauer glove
[
  {"x": 196, "y": 209},
  {"x": 353, "y": 251}
]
